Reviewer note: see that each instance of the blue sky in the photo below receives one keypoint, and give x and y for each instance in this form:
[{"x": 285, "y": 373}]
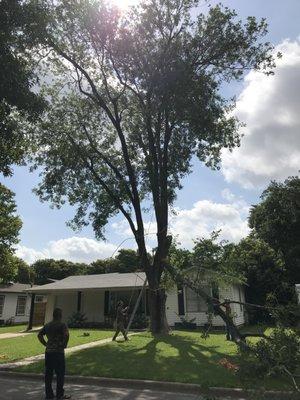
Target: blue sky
[{"x": 209, "y": 199}]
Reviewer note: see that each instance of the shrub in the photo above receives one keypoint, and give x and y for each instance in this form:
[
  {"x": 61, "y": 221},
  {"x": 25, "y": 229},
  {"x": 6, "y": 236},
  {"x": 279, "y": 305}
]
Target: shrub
[
  {"x": 140, "y": 321},
  {"x": 77, "y": 320},
  {"x": 277, "y": 356}
]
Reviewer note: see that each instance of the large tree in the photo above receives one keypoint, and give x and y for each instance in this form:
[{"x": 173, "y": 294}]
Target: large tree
[
  {"x": 276, "y": 220},
  {"x": 134, "y": 97},
  {"x": 10, "y": 225}
]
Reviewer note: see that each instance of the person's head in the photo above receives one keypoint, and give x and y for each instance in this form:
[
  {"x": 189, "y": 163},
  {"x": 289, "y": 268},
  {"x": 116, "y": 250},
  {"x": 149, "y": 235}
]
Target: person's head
[
  {"x": 120, "y": 303},
  {"x": 57, "y": 314}
]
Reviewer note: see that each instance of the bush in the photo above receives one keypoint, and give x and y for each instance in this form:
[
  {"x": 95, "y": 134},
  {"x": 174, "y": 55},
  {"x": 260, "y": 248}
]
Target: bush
[
  {"x": 277, "y": 356},
  {"x": 140, "y": 321},
  {"x": 77, "y": 320}
]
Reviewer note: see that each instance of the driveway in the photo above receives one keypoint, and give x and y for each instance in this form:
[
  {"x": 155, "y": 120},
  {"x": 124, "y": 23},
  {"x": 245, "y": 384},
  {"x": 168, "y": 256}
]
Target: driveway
[{"x": 34, "y": 390}]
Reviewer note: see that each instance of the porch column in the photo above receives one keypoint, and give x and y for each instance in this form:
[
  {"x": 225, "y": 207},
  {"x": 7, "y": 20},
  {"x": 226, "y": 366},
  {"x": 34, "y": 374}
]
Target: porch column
[
  {"x": 30, "y": 322},
  {"x": 79, "y": 296}
]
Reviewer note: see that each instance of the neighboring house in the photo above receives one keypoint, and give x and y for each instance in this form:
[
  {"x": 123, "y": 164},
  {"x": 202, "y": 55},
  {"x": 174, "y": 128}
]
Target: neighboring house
[
  {"x": 97, "y": 295},
  {"x": 298, "y": 291},
  {"x": 14, "y": 303}
]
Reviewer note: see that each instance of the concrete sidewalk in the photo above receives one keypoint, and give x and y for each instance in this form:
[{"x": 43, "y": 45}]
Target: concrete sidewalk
[
  {"x": 70, "y": 350},
  {"x": 9, "y": 335},
  {"x": 34, "y": 390},
  {"x": 14, "y": 335}
]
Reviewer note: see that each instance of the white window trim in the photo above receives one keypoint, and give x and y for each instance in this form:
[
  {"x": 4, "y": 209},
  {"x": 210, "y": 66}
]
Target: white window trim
[{"x": 18, "y": 314}]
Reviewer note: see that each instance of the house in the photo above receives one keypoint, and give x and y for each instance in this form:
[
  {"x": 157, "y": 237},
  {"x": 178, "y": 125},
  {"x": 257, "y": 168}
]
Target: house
[
  {"x": 97, "y": 295},
  {"x": 14, "y": 303}
]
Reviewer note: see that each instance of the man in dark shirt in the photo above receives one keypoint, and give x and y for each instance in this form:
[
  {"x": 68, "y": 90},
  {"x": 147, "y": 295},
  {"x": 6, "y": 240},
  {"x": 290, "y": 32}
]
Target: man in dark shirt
[
  {"x": 228, "y": 312},
  {"x": 57, "y": 340},
  {"x": 121, "y": 320}
]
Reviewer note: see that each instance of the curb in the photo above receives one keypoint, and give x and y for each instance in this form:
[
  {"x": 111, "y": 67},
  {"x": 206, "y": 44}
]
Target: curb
[{"x": 171, "y": 387}]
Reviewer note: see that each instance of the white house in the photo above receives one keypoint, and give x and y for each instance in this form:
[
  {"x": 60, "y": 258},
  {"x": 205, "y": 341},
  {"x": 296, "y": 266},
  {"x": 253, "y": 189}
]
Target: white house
[
  {"x": 14, "y": 303},
  {"x": 96, "y": 296}
]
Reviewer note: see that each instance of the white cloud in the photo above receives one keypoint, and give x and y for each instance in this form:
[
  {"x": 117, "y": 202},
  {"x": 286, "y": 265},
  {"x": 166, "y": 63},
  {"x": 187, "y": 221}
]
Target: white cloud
[
  {"x": 206, "y": 216},
  {"x": 269, "y": 106},
  {"x": 77, "y": 249},
  {"x": 31, "y": 255}
]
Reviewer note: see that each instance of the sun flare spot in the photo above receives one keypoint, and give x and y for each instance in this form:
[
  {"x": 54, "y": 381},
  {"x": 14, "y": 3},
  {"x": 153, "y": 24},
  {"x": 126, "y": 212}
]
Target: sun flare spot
[{"x": 125, "y": 4}]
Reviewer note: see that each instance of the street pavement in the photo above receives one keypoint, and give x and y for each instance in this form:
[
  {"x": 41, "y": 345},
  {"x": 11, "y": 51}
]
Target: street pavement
[{"x": 11, "y": 389}]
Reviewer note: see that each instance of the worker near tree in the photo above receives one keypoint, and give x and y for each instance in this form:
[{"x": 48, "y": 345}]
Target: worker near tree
[
  {"x": 121, "y": 320},
  {"x": 228, "y": 312}
]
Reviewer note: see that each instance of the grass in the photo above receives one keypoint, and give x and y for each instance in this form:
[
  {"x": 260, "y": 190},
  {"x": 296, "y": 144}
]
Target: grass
[
  {"x": 17, "y": 348},
  {"x": 181, "y": 357},
  {"x": 12, "y": 328}
]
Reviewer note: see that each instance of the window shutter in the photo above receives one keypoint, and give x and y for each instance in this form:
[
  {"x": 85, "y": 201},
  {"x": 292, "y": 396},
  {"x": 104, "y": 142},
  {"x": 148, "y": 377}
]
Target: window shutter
[
  {"x": 180, "y": 292},
  {"x": 106, "y": 302}
]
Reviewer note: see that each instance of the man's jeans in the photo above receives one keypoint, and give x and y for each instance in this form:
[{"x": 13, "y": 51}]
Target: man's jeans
[{"x": 54, "y": 362}]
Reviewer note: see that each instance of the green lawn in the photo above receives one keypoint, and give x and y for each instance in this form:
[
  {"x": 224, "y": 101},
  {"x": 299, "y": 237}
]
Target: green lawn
[
  {"x": 182, "y": 357},
  {"x": 26, "y": 346},
  {"x": 12, "y": 329}
]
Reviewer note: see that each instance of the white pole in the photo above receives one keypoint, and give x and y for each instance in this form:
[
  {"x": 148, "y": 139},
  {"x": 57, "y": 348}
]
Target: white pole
[{"x": 136, "y": 306}]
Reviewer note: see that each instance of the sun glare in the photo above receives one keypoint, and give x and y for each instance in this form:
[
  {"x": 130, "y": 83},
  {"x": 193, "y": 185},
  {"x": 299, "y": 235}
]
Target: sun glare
[{"x": 124, "y": 4}]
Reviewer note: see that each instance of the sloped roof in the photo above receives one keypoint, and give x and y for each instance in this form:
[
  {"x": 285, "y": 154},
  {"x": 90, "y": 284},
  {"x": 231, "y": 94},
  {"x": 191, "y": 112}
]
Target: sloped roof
[
  {"x": 86, "y": 282},
  {"x": 13, "y": 287}
]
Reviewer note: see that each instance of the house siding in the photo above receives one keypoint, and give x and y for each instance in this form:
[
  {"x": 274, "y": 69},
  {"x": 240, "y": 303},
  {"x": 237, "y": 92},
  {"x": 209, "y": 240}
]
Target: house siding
[
  {"x": 51, "y": 299},
  {"x": 10, "y": 307},
  {"x": 231, "y": 292},
  {"x": 68, "y": 303},
  {"x": 93, "y": 306},
  {"x": 298, "y": 292}
]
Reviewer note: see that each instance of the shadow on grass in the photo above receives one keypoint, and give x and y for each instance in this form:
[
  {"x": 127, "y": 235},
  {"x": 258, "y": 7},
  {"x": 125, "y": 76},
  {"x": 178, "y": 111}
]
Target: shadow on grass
[{"x": 181, "y": 357}]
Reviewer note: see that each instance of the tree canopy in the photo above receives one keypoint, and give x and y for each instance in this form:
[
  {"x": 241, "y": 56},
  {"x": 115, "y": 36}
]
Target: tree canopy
[
  {"x": 18, "y": 21},
  {"x": 47, "y": 269},
  {"x": 265, "y": 274},
  {"x": 10, "y": 225},
  {"x": 276, "y": 220}
]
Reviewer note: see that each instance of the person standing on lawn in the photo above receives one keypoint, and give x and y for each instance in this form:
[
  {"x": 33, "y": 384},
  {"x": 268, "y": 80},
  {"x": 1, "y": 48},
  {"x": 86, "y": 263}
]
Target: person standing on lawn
[
  {"x": 228, "y": 312},
  {"x": 121, "y": 320},
  {"x": 57, "y": 334}
]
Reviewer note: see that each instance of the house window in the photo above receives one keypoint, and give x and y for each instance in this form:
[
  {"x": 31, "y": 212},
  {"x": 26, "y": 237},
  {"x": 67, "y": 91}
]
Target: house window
[
  {"x": 39, "y": 299},
  {"x": 1, "y": 304},
  {"x": 21, "y": 305},
  {"x": 240, "y": 299},
  {"x": 195, "y": 303}
]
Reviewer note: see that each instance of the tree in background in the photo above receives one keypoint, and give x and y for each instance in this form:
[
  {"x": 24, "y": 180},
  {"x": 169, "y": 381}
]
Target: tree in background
[
  {"x": 140, "y": 99},
  {"x": 25, "y": 273},
  {"x": 128, "y": 260},
  {"x": 276, "y": 220},
  {"x": 265, "y": 275},
  {"x": 10, "y": 225},
  {"x": 18, "y": 21}
]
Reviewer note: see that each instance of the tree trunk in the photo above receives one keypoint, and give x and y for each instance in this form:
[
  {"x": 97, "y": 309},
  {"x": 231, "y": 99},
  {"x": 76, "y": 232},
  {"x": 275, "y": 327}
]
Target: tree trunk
[{"x": 157, "y": 307}]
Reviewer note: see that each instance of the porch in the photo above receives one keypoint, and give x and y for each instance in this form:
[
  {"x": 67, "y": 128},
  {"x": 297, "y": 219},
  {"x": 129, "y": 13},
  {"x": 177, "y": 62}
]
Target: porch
[{"x": 98, "y": 306}]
